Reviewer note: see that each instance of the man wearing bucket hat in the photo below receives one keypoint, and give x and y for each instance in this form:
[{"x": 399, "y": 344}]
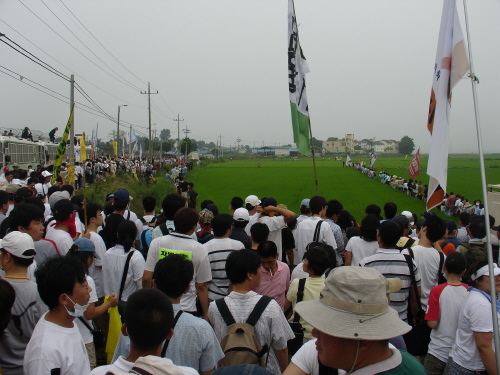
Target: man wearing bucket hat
[{"x": 353, "y": 322}]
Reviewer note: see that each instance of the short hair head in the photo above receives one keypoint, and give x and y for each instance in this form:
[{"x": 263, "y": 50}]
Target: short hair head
[
  {"x": 477, "y": 227},
  {"x": 334, "y": 208},
  {"x": 221, "y": 223},
  {"x": 436, "y": 228},
  {"x": 240, "y": 263},
  {"x": 317, "y": 260},
  {"x": 317, "y": 203},
  {"x": 236, "y": 203},
  {"x": 149, "y": 204},
  {"x": 171, "y": 204},
  {"x": 185, "y": 220},
  {"x": 173, "y": 274},
  {"x": 149, "y": 317},
  {"x": 369, "y": 227},
  {"x": 259, "y": 232},
  {"x": 390, "y": 232},
  {"x": 390, "y": 210},
  {"x": 58, "y": 276},
  {"x": 373, "y": 209},
  {"x": 267, "y": 249},
  {"x": 455, "y": 263},
  {"x": 23, "y": 214},
  {"x": 92, "y": 210}
]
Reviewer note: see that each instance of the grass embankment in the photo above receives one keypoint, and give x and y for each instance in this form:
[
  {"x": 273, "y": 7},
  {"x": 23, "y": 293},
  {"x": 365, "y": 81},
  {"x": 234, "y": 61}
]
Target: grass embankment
[
  {"x": 137, "y": 189},
  {"x": 291, "y": 181}
]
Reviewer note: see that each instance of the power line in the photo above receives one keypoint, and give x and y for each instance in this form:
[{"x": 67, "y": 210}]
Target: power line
[
  {"x": 102, "y": 45},
  {"x": 92, "y": 52},
  {"x": 25, "y": 50},
  {"x": 62, "y": 64},
  {"x": 36, "y": 62},
  {"x": 76, "y": 49}
]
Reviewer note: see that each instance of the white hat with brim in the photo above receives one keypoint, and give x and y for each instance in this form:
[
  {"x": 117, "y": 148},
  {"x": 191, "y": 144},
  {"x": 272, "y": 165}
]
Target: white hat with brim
[{"x": 353, "y": 305}]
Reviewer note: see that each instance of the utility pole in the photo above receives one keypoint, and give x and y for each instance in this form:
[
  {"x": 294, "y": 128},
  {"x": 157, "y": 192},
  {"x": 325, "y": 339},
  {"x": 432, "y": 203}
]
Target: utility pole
[
  {"x": 130, "y": 143},
  {"x": 178, "y": 119},
  {"x": 118, "y": 131},
  {"x": 72, "y": 126},
  {"x": 149, "y": 110},
  {"x": 186, "y": 131},
  {"x": 238, "y": 141}
]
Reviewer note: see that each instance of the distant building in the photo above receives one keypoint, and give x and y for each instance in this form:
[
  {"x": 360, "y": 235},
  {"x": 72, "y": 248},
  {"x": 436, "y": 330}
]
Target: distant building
[{"x": 335, "y": 146}]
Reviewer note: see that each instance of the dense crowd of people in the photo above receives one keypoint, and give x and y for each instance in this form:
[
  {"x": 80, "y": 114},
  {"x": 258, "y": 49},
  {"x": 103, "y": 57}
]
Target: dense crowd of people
[{"x": 261, "y": 290}]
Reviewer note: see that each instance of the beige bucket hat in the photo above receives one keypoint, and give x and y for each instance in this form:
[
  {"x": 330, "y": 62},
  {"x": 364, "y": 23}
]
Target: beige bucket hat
[{"x": 353, "y": 305}]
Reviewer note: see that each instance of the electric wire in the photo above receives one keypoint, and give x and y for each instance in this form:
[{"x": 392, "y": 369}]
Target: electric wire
[
  {"x": 36, "y": 62},
  {"x": 76, "y": 74},
  {"x": 102, "y": 45},
  {"x": 92, "y": 52},
  {"x": 76, "y": 49}
]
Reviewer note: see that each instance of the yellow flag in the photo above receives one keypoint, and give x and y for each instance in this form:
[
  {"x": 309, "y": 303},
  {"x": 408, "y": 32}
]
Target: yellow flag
[
  {"x": 61, "y": 149},
  {"x": 406, "y": 157},
  {"x": 115, "y": 148},
  {"x": 83, "y": 150}
]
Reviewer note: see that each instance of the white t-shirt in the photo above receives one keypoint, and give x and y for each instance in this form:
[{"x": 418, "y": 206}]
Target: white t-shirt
[
  {"x": 299, "y": 273},
  {"x": 475, "y": 316},
  {"x": 113, "y": 266},
  {"x": 121, "y": 365},
  {"x": 177, "y": 243},
  {"x": 275, "y": 225},
  {"x": 305, "y": 234},
  {"x": 427, "y": 260},
  {"x": 62, "y": 239},
  {"x": 306, "y": 359},
  {"x": 445, "y": 302},
  {"x": 84, "y": 331},
  {"x": 360, "y": 249},
  {"x": 95, "y": 270},
  {"x": 52, "y": 346}
]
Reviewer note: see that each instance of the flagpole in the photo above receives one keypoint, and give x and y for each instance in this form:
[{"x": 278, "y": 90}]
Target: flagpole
[
  {"x": 493, "y": 296},
  {"x": 309, "y": 116},
  {"x": 312, "y": 149}
]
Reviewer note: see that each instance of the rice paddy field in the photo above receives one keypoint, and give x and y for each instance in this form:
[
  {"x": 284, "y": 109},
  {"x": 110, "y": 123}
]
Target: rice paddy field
[{"x": 290, "y": 181}]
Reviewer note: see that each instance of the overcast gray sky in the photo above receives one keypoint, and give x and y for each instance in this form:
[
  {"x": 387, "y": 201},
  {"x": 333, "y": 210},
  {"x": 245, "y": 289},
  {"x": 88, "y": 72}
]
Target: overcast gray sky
[{"x": 222, "y": 65}]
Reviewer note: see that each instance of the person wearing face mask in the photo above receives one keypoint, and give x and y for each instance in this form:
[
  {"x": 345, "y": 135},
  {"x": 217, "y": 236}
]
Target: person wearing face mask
[
  {"x": 84, "y": 250},
  {"x": 56, "y": 346},
  {"x": 62, "y": 229},
  {"x": 16, "y": 255}
]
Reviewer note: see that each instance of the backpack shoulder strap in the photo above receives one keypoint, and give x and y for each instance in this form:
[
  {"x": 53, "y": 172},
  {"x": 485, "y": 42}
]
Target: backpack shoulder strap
[
  {"x": 224, "y": 311},
  {"x": 441, "y": 262},
  {"x": 124, "y": 276},
  {"x": 258, "y": 310},
  {"x": 165, "y": 346},
  {"x": 143, "y": 221},
  {"x": 300, "y": 297},
  {"x": 316, "y": 231},
  {"x": 410, "y": 250},
  {"x": 144, "y": 243},
  {"x": 164, "y": 229},
  {"x": 85, "y": 324}
]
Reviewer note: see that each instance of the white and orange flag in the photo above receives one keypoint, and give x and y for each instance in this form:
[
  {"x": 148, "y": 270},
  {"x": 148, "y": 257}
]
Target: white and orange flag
[{"x": 451, "y": 65}]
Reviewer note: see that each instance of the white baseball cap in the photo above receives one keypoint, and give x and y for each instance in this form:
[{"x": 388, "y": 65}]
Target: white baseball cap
[
  {"x": 253, "y": 200},
  {"x": 241, "y": 214},
  {"x": 19, "y": 244}
]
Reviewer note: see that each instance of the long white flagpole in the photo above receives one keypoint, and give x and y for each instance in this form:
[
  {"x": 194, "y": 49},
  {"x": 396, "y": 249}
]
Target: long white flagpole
[{"x": 493, "y": 296}]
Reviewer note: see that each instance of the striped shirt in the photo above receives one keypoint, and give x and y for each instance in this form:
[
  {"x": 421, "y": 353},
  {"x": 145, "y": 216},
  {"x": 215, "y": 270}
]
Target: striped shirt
[
  {"x": 271, "y": 329},
  {"x": 218, "y": 249},
  {"x": 391, "y": 263}
]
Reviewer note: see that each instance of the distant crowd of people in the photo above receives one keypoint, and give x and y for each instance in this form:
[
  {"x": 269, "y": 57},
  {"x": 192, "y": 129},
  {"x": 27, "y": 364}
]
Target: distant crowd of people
[{"x": 260, "y": 290}]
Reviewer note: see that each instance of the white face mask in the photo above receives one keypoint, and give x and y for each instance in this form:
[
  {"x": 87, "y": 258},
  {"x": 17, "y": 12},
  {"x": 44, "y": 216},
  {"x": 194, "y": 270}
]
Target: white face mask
[{"x": 79, "y": 309}]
